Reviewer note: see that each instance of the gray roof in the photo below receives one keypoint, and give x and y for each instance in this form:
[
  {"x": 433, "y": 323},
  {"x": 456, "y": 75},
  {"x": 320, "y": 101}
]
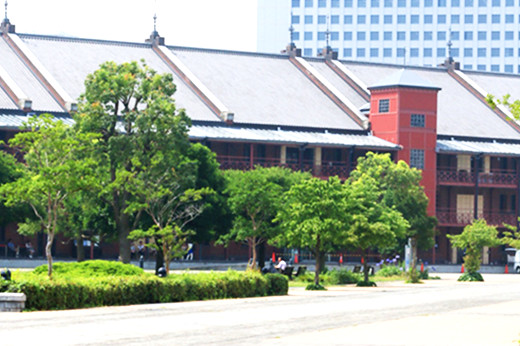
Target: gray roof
[
  {"x": 497, "y": 85},
  {"x": 5, "y": 101},
  {"x": 312, "y": 138},
  {"x": 459, "y": 112},
  {"x": 486, "y": 148},
  {"x": 10, "y": 121},
  {"x": 404, "y": 78},
  {"x": 265, "y": 89},
  {"x": 71, "y": 60}
]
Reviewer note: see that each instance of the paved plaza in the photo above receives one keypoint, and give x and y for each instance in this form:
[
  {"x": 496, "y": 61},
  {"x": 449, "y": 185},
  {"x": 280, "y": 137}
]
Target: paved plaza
[{"x": 437, "y": 312}]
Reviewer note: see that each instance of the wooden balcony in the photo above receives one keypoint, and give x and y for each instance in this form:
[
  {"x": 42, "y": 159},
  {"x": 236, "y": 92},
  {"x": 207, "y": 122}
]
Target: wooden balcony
[
  {"x": 327, "y": 169},
  {"x": 453, "y": 177},
  {"x": 461, "y": 218}
]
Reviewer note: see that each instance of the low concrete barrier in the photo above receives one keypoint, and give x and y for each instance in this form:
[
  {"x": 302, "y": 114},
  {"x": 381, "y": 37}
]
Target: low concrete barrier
[{"x": 12, "y": 302}]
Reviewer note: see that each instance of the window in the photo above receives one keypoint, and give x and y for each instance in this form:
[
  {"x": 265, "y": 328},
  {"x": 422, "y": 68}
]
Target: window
[
  {"x": 308, "y": 19},
  {"x": 455, "y": 19},
  {"x": 428, "y": 3},
  {"x": 467, "y": 67},
  {"x": 417, "y": 158},
  {"x": 401, "y": 3},
  {"x": 322, "y": 19},
  {"x": 482, "y": 18},
  {"x": 334, "y": 20},
  {"x": 510, "y": 3},
  {"x": 334, "y": 36},
  {"x": 441, "y": 19},
  {"x": 374, "y": 19},
  {"x": 374, "y": 3},
  {"x": 414, "y": 52},
  {"x": 482, "y": 3},
  {"x": 468, "y": 52},
  {"x": 441, "y": 52},
  {"x": 414, "y": 36},
  {"x": 321, "y": 36},
  {"x": 414, "y": 19},
  {"x": 509, "y": 35},
  {"x": 441, "y": 3},
  {"x": 427, "y": 52},
  {"x": 387, "y": 36},
  {"x": 495, "y": 52},
  {"x": 389, "y": 3},
  {"x": 387, "y": 52},
  {"x": 308, "y": 3},
  {"x": 428, "y": 19},
  {"x": 495, "y": 68},
  {"x": 455, "y": 35},
  {"x": 401, "y": 19},
  {"x": 295, "y": 19},
  {"x": 400, "y": 52},
  {"x": 455, "y": 3},
  {"x": 348, "y": 3},
  {"x": 415, "y": 3},
  {"x": 361, "y": 3},
  {"x": 360, "y": 52},
  {"x": 347, "y": 52},
  {"x": 347, "y": 19},
  {"x": 468, "y": 19},
  {"x": 481, "y": 67},
  {"x": 496, "y": 3},
  {"x": 481, "y": 52},
  {"x": 296, "y": 36},
  {"x": 455, "y": 52},
  {"x": 387, "y": 19},
  {"x": 334, "y": 3},
  {"x": 347, "y": 36},
  {"x": 495, "y": 35},
  {"x": 508, "y": 52},
  {"x": 374, "y": 35},
  {"x": 428, "y": 36},
  {"x": 482, "y": 35},
  {"x": 510, "y": 18},
  {"x": 361, "y": 36},
  {"x": 384, "y": 105},
  {"x": 322, "y": 3},
  {"x": 307, "y": 36},
  {"x": 468, "y": 3},
  {"x": 307, "y": 51},
  {"x": 495, "y": 18},
  {"x": 508, "y": 68},
  {"x": 361, "y": 19},
  {"x": 401, "y": 36},
  {"x": 374, "y": 52},
  {"x": 468, "y": 35},
  {"x": 417, "y": 120},
  {"x": 441, "y": 35},
  {"x": 295, "y": 3}
]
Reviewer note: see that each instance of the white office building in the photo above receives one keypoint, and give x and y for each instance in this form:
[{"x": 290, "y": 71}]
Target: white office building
[{"x": 485, "y": 34}]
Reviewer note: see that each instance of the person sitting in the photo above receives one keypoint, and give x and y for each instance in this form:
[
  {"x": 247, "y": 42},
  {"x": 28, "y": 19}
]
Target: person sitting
[
  {"x": 29, "y": 248},
  {"x": 281, "y": 265},
  {"x": 12, "y": 249}
]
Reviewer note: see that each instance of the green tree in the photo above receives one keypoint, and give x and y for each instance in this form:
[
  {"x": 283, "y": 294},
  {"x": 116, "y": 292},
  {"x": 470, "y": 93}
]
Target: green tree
[
  {"x": 373, "y": 225},
  {"x": 254, "y": 198},
  {"x": 315, "y": 215},
  {"x": 472, "y": 240},
  {"x": 52, "y": 173},
  {"x": 511, "y": 237},
  {"x": 514, "y": 106},
  {"x": 131, "y": 107},
  {"x": 401, "y": 189}
]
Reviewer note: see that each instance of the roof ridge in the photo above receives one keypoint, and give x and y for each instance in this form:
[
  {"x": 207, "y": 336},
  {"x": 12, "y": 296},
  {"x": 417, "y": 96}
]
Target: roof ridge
[{"x": 83, "y": 40}]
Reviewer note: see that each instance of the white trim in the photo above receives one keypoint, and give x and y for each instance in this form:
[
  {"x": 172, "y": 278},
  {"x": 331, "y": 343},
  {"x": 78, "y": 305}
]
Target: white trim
[
  {"x": 351, "y": 75},
  {"x": 21, "y": 97}
]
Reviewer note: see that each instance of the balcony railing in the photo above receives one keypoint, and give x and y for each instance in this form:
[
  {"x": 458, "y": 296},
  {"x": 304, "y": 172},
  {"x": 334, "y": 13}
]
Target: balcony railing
[
  {"x": 327, "y": 169},
  {"x": 460, "y": 218},
  {"x": 451, "y": 176}
]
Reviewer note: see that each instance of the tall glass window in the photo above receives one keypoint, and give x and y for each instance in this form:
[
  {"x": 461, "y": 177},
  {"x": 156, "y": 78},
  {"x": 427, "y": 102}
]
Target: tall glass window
[
  {"x": 387, "y": 19},
  {"x": 441, "y": 3},
  {"x": 308, "y": 3},
  {"x": 414, "y": 36},
  {"x": 322, "y": 19},
  {"x": 401, "y": 3},
  {"x": 307, "y": 35},
  {"x": 374, "y": 35},
  {"x": 347, "y": 52},
  {"x": 389, "y": 3},
  {"x": 360, "y": 52},
  {"x": 374, "y": 19},
  {"x": 417, "y": 158},
  {"x": 455, "y": 3},
  {"x": 468, "y": 52},
  {"x": 441, "y": 52},
  {"x": 509, "y": 35},
  {"x": 400, "y": 52},
  {"x": 482, "y": 18},
  {"x": 441, "y": 35},
  {"x": 508, "y": 68},
  {"x": 308, "y": 19},
  {"x": 495, "y": 52},
  {"x": 361, "y": 19},
  {"x": 495, "y": 35},
  {"x": 468, "y": 35},
  {"x": 322, "y": 3},
  {"x": 468, "y": 3},
  {"x": 482, "y": 35},
  {"x": 347, "y": 36},
  {"x": 401, "y": 19},
  {"x": 387, "y": 52},
  {"x": 428, "y": 36},
  {"x": 415, "y": 3},
  {"x": 495, "y": 68},
  {"x": 468, "y": 19},
  {"x": 414, "y": 19},
  {"x": 307, "y": 51},
  {"x": 347, "y": 19},
  {"x": 510, "y": 18},
  {"x": 334, "y": 3},
  {"x": 455, "y": 19},
  {"x": 295, "y": 19},
  {"x": 414, "y": 52},
  {"x": 348, "y": 4},
  {"x": 295, "y": 3},
  {"x": 334, "y": 19},
  {"x": 508, "y": 52},
  {"x": 495, "y": 3},
  {"x": 374, "y": 52},
  {"x": 481, "y": 52},
  {"x": 495, "y": 18},
  {"x": 428, "y": 19},
  {"x": 374, "y": 3},
  {"x": 401, "y": 35},
  {"x": 441, "y": 19},
  {"x": 361, "y": 36},
  {"x": 362, "y": 3},
  {"x": 482, "y": 3},
  {"x": 387, "y": 36},
  {"x": 427, "y": 52},
  {"x": 428, "y": 3}
]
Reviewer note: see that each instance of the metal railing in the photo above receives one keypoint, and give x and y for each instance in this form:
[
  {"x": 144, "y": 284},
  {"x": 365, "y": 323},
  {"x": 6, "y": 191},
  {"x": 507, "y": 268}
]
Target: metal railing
[
  {"x": 452, "y": 176},
  {"x": 451, "y": 217}
]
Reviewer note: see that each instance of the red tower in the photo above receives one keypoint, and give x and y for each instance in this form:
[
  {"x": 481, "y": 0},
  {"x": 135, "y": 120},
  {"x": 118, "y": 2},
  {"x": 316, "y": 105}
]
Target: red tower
[{"x": 403, "y": 110}]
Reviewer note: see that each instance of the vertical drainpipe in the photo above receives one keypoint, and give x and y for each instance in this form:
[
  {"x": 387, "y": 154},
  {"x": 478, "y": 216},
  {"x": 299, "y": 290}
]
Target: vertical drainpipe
[
  {"x": 300, "y": 159},
  {"x": 517, "y": 192},
  {"x": 350, "y": 160},
  {"x": 251, "y": 156},
  {"x": 477, "y": 157}
]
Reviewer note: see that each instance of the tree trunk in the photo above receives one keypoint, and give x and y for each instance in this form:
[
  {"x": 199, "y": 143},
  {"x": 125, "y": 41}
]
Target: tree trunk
[
  {"x": 318, "y": 268},
  {"x": 261, "y": 255},
  {"x": 413, "y": 245},
  {"x": 80, "y": 250},
  {"x": 123, "y": 227},
  {"x": 48, "y": 251},
  {"x": 159, "y": 260},
  {"x": 253, "y": 252},
  {"x": 166, "y": 257},
  {"x": 365, "y": 264}
]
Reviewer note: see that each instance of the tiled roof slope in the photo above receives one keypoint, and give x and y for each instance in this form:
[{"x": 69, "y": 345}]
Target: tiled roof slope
[
  {"x": 265, "y": 89},
  {"x": 460, "y": 113},
  {"x": 71, "y": 60}
]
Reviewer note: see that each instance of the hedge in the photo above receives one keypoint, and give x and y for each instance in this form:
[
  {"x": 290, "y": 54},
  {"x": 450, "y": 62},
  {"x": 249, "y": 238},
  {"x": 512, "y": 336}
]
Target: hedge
[{"x": 80, "y": 292}]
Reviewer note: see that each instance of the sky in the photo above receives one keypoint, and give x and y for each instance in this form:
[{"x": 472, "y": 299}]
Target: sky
[{"x": 220, "y": 24}]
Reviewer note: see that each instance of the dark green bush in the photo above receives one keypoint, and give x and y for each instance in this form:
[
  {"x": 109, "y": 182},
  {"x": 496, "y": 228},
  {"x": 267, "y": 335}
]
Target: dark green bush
[
  {"x": 366, "y": 284},
  {"x": 387, "y": 271},
  {"x": 65, "y": 292},
  {"x": 343, "y": 276},
  {"x": 90, "y": 269},
  {"x": 314, "y": 287},
  {"x": 474, "y": 276}
]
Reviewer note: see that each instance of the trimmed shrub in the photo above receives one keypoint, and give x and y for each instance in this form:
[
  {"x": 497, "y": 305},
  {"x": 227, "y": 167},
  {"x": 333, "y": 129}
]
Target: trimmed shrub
[
  {"x": 343, "y": 276},
  {"x": 65, "y": 292},
  {"x": 314, "y": 287},
  {"x": 366, "y": 284},
  {"x": 388, "y": 271},
  {"x": 474, "y": 276},
  {"x": 90, "y": 269}
]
